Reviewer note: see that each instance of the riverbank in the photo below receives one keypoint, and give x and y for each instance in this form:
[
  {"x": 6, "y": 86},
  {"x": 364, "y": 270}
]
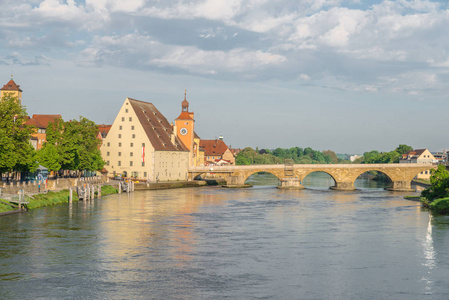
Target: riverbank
[{"x": 48, "y": 198}]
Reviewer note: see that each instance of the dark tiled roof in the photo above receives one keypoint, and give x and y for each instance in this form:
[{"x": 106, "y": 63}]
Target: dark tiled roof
[
  {"x": 156, "y": 126},
  {"x": 41, "y": 121},
  {"x": 11, "y": 86},
  {"x": 213, "y": 147}
]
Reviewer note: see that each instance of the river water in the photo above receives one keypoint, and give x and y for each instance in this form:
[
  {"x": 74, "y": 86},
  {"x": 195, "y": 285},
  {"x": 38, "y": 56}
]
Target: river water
[{"x": 217, "y": 243}]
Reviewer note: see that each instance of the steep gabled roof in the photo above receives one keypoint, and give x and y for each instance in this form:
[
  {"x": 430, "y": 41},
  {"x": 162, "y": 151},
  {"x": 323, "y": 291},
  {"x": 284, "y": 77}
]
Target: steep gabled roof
[
  {"x": 213, "y": 147},
  {"x": 11, "y": 86},
  {"x": 156, "y": 126},
  {"x": 41, "y": 121}
]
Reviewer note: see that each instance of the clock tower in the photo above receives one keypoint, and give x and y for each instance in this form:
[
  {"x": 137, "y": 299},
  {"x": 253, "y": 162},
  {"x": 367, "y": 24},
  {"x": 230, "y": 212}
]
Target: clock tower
[{"x": 185, "y": 126}]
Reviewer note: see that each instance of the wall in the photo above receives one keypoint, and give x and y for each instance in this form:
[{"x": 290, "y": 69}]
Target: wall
[{"x": 171, "y": 165}]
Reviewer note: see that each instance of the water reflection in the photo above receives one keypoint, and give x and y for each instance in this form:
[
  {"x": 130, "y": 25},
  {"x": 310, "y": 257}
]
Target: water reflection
[{"x": 214, "y": 243}]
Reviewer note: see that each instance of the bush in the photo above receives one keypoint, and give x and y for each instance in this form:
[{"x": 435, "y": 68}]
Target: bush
[{"x": 440, "y": 206}]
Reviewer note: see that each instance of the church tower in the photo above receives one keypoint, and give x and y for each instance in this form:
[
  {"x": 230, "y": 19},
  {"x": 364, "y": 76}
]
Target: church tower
[
  {"x": 11, "y": 89},
  {"x": 185, "y": 127}
]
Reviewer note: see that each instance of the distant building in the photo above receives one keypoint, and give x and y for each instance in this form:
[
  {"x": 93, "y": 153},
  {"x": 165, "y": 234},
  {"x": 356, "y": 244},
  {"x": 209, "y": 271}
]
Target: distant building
[
  {"x": 103, "y": 130},
  {"x": 11, "y": 89},
  {"x": 41, "y": 123},
  {"x": 216, "y": 150},
  {"x": 419, "y": 156},
  {"x": 142, "y": 144},
  {"x": 352, "y": 158}
]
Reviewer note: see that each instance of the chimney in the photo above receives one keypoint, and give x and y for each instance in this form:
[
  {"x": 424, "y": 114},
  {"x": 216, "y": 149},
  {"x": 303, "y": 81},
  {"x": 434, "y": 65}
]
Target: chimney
[{"x": 174, "y": 133}]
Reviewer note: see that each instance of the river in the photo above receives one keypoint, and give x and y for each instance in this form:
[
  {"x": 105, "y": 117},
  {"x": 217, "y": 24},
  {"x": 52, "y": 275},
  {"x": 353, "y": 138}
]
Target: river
[{"x": 217, "y": 243}]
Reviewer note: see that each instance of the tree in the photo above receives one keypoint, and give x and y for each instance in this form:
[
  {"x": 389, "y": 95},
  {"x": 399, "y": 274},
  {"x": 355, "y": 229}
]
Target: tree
[
  {"x": 16, "y": 153},
  {"x": 333, "y": 157},
  {"x": 403, "y": 149},
  {"x": 48, "y": 156},
  {"x": 439, "y": 184},
  {"x": 72, "y": 145}
]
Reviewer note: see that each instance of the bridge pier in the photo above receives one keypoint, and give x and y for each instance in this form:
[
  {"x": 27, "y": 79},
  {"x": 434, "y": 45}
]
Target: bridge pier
[
  {"x": 236, "y": 182},
  {"x": 291, "y": 183},
  {"x": 401, "y": 186},
  {"x": 343, "y": 186}
]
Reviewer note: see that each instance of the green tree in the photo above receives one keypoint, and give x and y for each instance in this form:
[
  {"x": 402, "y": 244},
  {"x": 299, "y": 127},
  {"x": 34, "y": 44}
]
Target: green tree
[
  {"x": 76, "y": 145},
  {"x": 439, "y": 184},
  {"x": 242, "y": 160},
  {"x": 16, "y": 153},
  {"x": 333, "y": 157},
  {"x": 403, "y": 149},
  {"x": 48, "y": 156}
]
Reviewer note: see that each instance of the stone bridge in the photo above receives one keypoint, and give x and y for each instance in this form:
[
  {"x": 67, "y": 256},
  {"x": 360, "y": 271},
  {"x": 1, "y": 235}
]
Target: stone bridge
[{"x": 291, "y": 176}]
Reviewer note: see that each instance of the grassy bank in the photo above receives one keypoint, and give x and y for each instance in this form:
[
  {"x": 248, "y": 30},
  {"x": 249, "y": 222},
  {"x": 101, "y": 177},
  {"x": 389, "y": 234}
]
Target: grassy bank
[
  {"x": 440, "y": 206},
  {"x": 53, "y": 198},
  {"x": 5, "y": 207}
]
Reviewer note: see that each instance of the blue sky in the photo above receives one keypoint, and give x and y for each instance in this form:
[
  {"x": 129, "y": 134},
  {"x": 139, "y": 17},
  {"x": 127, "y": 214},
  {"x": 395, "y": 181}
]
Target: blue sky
[{"x": 350, "y": 76}]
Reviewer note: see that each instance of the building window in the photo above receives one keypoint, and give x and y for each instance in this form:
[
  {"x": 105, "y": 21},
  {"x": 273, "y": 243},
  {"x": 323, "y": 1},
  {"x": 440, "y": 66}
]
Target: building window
[
  {"x": 123, "y": 119},
  {"x": 145, "y": 174},
  {"x": 119, "y": 163},
  {"x": 109, "y": 144},
  {"x": 134, "y": 136},
  {"x": 132, "y": 127},
  {"x": 143, "y": 165},
  {"x": 131, "y": 145},
  {"x": 143, "y": 144},
  {"x": 120, "y": 128},
  {"x": 130, "y": 154},
  {"x": 130, "y": 119},
  {"x": 119, "y": 144},
  {"x": 107, "y": 163},
  {"x": 130, "y": 163},
  {"x": 126, "y": 110},
  {"x": 120, "y": 154},
  {"x": 107, "y": 153},
  {"x": 119, "y": 136}
]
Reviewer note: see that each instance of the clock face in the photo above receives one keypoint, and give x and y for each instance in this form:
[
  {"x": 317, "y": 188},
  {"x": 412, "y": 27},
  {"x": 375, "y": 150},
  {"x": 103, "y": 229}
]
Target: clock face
[{"x": 183, "y": 131}]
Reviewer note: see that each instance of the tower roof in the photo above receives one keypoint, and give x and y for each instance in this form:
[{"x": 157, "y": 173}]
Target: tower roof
[{"x": 11, "y": 86}]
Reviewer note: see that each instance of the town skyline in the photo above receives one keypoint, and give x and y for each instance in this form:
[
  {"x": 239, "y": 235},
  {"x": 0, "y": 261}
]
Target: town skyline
[{"x": 339, "y": 75}]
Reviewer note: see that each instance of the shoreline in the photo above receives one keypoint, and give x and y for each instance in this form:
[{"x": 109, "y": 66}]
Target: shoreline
[{"x": 50, "y": 198}]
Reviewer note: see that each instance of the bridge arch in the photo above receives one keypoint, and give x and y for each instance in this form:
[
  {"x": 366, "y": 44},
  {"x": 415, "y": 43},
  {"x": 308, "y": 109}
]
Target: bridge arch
[
  {"x": 385, "y": 184},
  {"x": 304, "y": 176},
  {"x": 246, "y": 175},
  {"x": 248, "y": 178}
]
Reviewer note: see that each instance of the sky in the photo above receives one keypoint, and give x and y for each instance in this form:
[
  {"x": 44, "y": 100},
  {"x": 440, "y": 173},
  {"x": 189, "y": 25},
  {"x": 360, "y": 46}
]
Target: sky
[{"x": 346, "y": 75}]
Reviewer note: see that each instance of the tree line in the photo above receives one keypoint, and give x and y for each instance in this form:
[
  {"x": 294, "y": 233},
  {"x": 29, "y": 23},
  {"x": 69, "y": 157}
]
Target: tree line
[
  {"x": 376, "y": 157},
  {"x": 71, "y": 145},
  {"x": 296, "y": 155}
]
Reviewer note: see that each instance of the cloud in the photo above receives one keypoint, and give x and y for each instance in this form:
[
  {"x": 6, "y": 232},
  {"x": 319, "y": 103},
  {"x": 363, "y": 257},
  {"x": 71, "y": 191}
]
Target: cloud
[
  {"x": 15, "y": 58},
  {"x": 148, "y": 53},
  {"x": 341, "y": 44}
]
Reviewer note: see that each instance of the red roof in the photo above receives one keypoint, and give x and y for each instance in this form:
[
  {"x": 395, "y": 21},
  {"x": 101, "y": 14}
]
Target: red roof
[
  {"x": 213, "y": 147},
  {"x": 104, "y": 129},
  {"x": 184, "y": 116},
  {"x": 11, "y": 86},
  {"x": 41, "y": 121}
]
